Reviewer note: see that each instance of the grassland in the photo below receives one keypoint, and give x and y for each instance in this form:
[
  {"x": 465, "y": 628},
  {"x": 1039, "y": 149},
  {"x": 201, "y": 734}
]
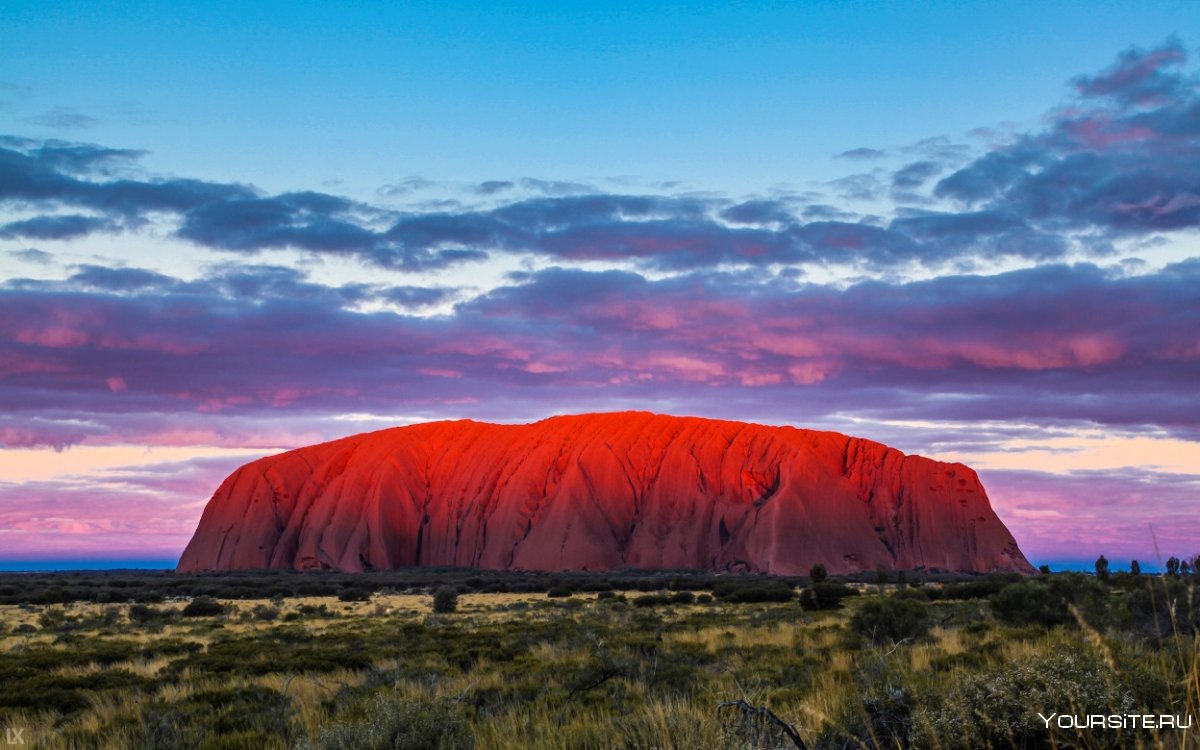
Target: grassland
[{"x": 939, "y": 665}]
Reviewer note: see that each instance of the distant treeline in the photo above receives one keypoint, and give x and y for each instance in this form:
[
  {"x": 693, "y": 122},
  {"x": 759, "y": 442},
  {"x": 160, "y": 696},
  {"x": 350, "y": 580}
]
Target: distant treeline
[{"x": 118, "y": 586}]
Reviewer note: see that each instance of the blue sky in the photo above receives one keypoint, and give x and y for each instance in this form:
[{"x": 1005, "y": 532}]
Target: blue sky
[
  {"x": 967, "y": 230},
  {"x": 721, "y": 96}
]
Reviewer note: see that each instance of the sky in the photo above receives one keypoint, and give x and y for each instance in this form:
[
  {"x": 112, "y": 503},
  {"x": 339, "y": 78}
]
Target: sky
[{"x": 965, "y": 230}]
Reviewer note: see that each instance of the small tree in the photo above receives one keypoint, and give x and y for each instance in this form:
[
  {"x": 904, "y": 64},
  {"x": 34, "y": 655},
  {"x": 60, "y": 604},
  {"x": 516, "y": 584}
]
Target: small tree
[
  {"x": 1044, "y": 570},
  {"x": 901, "y": 579},
  {"x": 881, "y": 575},
  {"x": 1135, "y": 568},
  {"x": 1185, "y": 568},
  {"x": 445, "y": 600},
  {"x": 1102, "y": 568},
  {"x": 1173, "y": 567},
  {"x": 818, "y": 574}
]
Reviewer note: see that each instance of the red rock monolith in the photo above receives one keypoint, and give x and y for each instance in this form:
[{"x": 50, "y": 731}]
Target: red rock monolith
[{"x": 602, "y": 492}]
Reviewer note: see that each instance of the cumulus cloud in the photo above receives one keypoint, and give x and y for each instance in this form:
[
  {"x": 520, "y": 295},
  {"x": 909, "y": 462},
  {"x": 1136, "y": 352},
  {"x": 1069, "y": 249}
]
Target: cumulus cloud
[
  {"x": 406, "y": 186},
  {"x": 56, "y": 227},
  {"x": 914, "y": 175},
  {"x": 863, "y": 153},
  {"x": 32, "y": 255},
  {"x": 1125, "y": 157},
  {"x": 1120, "y": 160},
  {"x": 1139, "y": 77},
  {"x": 109, "y": 279},
  {"x": 416, "y": 296},
  {"x": 53, "y": 174},
  {"x": 1053, "y": 343}
]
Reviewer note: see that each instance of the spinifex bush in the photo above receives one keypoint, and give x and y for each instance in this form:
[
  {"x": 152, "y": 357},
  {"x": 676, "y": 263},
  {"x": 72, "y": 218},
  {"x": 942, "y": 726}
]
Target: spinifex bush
[
  {"x": 392, "y": 722},
  {"x": 999, "y": 707},
  {"x": 219, "y": 720}
]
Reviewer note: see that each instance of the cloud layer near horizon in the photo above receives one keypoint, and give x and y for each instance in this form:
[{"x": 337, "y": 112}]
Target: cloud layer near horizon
[{"x": 1005, "y": 286}]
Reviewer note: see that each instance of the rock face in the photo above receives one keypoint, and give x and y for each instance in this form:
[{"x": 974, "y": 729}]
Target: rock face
[{"x": 599, "y": 492}]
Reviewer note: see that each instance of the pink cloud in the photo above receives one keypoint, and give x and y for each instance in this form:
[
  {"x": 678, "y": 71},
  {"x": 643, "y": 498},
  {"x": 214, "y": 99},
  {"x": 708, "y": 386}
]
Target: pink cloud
[
  {"x": 135, "y": 511},
  {"x": 1123, "y": 514}
]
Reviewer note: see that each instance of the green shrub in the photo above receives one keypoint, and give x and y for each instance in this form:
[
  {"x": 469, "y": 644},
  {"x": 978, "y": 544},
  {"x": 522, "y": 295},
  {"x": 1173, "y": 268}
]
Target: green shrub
[
  {"x": 445, "y": 600},
  {"x": 37, "y": 689},
  {"x": 980, "y": 588},
  {"x": 265, "y": 613},
  {"x": 912, "y": 593},
  {"x": 224, "y": 719},
  {"x": 142, "y": 614},
  {"x": 279, "y": 650},
  {"x": 314, "y": 610},
  {"x": 651, "y": 600},
  {"x": 1030, "y": 603},
  {"x": 756, "y": 591},
  {"x": 1162, "y": 607},
  {"x": 354, "y": 595},
  {"x": 892, "y": 619},
  {"x": 203, "y": 606},
  {"x": 559, "y": 592},
  {"x": 825, "y": 595}
]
